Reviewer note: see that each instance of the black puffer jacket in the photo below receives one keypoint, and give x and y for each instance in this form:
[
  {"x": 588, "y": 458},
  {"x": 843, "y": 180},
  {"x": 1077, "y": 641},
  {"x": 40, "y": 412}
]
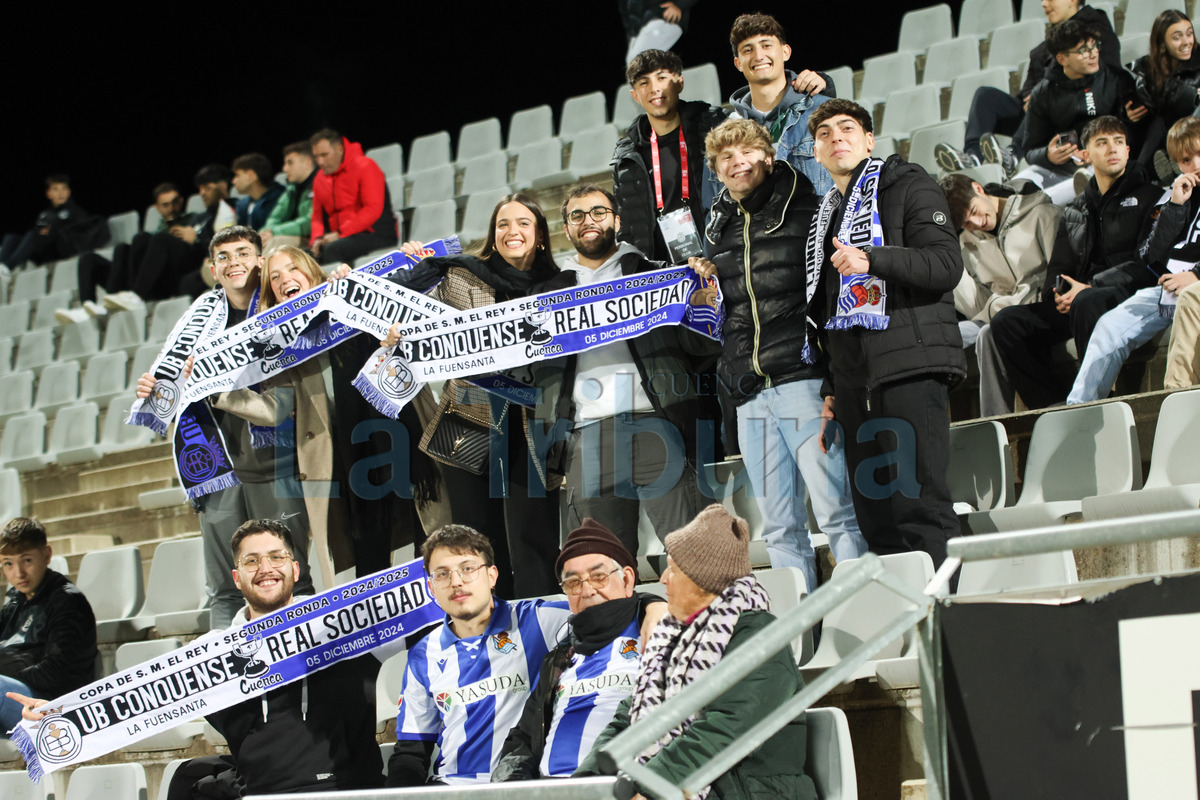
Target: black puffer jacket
[
  {"x": 1177, "y": 96},
  {"x": 921, "y": 262},
  {"x": 1041, "y": 59},
  {"x": 1099, "y": 235},
  {"x": 634, "y": 188},
  {"x": 758, "y": 246},
  {"x": 1166, "y": 239},
  {"x": 48, "y": 641},
  {"x": 1060, "y": 104}
]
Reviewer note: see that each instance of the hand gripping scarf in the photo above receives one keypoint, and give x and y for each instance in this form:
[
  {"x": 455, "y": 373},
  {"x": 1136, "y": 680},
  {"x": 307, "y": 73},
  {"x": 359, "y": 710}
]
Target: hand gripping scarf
[{"x": 861, "y": 299}]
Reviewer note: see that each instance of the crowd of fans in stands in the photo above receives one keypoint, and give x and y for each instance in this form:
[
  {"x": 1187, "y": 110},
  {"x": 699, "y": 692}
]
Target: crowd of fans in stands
[{"x": 853, "y": 288}]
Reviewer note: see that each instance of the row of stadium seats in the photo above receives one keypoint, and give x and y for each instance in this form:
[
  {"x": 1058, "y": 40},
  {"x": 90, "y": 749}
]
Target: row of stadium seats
[
  {"x": 829, "y": 758},
  {"x": 1084, "y": 462}
]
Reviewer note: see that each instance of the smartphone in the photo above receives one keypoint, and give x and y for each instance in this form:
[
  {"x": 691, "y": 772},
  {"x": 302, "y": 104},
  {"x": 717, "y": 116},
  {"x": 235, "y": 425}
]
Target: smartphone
[
  {"x": 1062, "y": 286},
  {"x": 1068, "y": 137}
]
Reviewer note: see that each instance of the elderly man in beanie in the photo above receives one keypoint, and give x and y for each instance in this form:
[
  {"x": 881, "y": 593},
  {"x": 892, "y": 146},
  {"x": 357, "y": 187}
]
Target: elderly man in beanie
[
  {"x": 593, "y": 668},
  {"x": 715, "y": 605}
]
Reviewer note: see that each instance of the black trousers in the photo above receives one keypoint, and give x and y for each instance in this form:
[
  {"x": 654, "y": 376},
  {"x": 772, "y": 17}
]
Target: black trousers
[
  {"x": 1025, "y": 334},
  {"x": 523, "y": 527},
  {"x": 344, "y": 251},
  {"x": 31, "y": 246},
  {"x": 992, "y": 111},
  {"x": 151, "y": 266},
  {"x": 897, "y": 453}
]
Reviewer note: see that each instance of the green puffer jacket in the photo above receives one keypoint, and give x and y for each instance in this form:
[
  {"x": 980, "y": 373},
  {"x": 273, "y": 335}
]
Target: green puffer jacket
[
  {"x": 773, "y": 771},
  {"x": 292, "y": 215}
]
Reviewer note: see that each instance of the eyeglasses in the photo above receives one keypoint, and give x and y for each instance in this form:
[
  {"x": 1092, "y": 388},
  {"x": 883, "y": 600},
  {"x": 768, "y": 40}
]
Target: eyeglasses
[
  {"x": 252, "y": 562},
  {"x": 598, "y": 580},
  {"x": 598, "y": 213},
  {"x": 243, "y": 255},
  {"x": 468, "y": 573},
  {"x": 1086, "y": 50}
]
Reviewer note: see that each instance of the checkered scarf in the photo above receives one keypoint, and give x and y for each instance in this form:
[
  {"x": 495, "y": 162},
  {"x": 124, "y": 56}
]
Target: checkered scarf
[{"x": 677, "y": 653}]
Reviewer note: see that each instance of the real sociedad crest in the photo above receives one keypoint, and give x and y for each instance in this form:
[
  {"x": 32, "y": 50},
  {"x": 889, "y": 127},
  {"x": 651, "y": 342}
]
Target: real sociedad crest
[
  {"x": 503, "y": 643},
  {"x": 629, "y": 649}
]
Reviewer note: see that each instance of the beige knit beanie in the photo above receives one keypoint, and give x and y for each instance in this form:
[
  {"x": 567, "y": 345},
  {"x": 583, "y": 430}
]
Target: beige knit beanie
[{"x": 713, "y": 549}]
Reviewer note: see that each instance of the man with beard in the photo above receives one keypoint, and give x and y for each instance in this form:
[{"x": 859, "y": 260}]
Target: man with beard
[
  {"x": 311, "y": 735},
  {"x": 632, "y": 405}
]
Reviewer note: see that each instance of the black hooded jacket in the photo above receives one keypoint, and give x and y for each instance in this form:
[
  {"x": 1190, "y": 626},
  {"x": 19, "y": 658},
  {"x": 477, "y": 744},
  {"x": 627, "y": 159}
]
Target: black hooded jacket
[
  {"x": 1177, "y": 96},
  {"x": 632, "y": 183},
  {"x": 758, "y": 245},
  {"x": 1099, "y": 235},
  {"x": 1060, "y": 104}
]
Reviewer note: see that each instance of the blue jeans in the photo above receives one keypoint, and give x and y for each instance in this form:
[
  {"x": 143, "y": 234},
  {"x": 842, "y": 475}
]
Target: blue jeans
[
  {"x": 10, "y": 710},
  {"x": 1118, "y": 333},
  {"x": 778, "y": 430}
]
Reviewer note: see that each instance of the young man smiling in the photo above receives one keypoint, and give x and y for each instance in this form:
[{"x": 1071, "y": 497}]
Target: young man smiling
[
  {"x": 314, "y": 734},
  {"x": 1079, "y": 87},
  {"x": 1007, "y": 236},
  {"x": 47, "y": 628},
  {"x": 467, "y": 681},
  {"x": 659, "y": 172},
  {"x": 889, "y": 259},
  {"x": 756, "y": 240},
  {"x": 236, "y": 261},
  {"x": 780, "y": 99}
]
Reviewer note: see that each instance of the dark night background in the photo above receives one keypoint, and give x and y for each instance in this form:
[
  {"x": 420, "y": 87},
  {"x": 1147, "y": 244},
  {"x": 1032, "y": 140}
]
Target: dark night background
[{"x": 125, "y": 96}]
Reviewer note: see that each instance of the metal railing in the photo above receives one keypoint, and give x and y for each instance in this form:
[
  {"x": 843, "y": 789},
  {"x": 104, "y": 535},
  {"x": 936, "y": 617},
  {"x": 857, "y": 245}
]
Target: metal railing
[
  {"x": 558, "y": 789},
  {"x": 621, "y": 753},
  {"x": 1051, "y": 539}
]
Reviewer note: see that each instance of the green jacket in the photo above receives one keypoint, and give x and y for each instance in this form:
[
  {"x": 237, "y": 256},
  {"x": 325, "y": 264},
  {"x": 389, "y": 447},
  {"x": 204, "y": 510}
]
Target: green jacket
[
  {"x": 775, "y": 770},
  {"x": 292, "y": 215}
]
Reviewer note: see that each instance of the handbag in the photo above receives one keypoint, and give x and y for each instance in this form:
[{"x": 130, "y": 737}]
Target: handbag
[{"x": 460, "y": 433}]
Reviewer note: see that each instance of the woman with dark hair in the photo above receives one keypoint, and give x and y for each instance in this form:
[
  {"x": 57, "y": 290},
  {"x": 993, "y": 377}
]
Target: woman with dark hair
[
  {"x": 1168, "y": 79},
  {"x": 483, "y": 438},
  {"x": 346, "y": 472}
]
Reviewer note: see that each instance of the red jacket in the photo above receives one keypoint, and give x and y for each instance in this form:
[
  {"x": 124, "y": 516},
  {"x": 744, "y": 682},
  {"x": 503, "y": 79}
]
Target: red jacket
[{"x": 351, "y": 199}]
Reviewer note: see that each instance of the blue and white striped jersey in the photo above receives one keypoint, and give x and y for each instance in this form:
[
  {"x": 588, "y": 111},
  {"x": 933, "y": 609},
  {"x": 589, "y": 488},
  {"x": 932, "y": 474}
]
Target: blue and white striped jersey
[
  {"x": 586, "y": 700},
  {"x": 468, "y": 693}
]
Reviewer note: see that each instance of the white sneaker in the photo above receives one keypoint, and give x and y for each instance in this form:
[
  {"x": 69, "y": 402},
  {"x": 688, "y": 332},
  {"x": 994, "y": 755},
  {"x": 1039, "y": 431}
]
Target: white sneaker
[
  {"x": 94, "y": 309},
  {"x": 70, "y": 316},
  {"x": 123, "y": 301}
]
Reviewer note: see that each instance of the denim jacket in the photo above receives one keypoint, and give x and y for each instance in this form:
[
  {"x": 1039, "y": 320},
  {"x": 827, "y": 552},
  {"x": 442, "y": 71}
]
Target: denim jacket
[{"x": 794, "y": 144}]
